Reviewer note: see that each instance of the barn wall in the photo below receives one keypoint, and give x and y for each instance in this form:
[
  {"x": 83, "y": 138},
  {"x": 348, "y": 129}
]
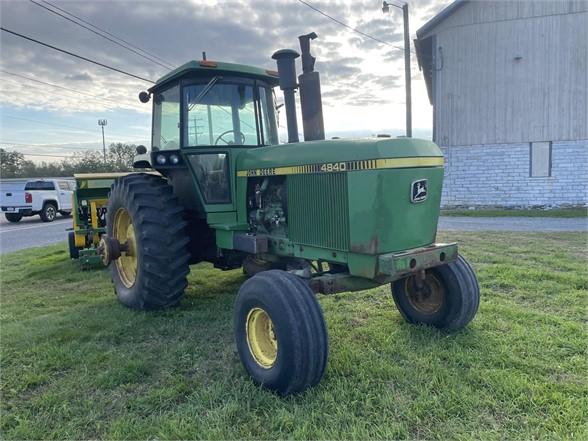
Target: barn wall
[
  {"x": 485, "y": 94},
  {"x": 498, "y": 175}
]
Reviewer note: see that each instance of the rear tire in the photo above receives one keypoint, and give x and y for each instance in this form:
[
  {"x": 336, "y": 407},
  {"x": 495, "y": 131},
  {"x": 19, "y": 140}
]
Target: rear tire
[
  {"x": 160, "y": 241},
  {"x": 280, "y": 332},
  {"x": 74, "y": 252},
  {"x": 13, "y": 217},
  {"x": 48, "y": 212},
  {"x": 449, "y": 299}
]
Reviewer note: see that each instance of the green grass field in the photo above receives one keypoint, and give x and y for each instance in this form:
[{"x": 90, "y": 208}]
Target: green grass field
[
  {"x": 77, "y": 365},
  {"x": 490, "y": 212}
]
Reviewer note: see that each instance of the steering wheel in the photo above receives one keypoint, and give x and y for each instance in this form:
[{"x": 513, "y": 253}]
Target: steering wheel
[{"x": 227, "y": 142}]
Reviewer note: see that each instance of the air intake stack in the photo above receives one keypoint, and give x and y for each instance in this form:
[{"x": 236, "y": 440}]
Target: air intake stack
[
  {"x": 310, "y": 93},
  {"x": 287, "y": 72}
]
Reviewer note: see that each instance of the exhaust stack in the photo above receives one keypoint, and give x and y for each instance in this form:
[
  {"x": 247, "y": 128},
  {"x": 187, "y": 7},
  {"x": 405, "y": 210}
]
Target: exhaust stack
[
  {"x": 310, "y": 93},
  {"x": 287, "y": 72}
]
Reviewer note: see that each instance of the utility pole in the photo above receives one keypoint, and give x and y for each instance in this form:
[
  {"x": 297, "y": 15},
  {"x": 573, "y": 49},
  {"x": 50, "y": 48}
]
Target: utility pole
[
  {"x": 102, "y": 123},
  {"x": 407, "y": 79}
]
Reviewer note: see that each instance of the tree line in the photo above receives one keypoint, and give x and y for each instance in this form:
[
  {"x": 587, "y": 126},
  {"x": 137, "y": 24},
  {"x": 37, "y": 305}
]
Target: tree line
[{"x": 119, "y": 158}]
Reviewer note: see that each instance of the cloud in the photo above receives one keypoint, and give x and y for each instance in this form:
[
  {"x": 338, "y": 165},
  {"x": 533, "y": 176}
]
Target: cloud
[
  {"x": 355, "y": 70},
  {"x": 82, "y": 76}
]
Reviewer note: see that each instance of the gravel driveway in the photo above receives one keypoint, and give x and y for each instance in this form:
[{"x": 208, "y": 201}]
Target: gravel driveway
[{"x": 466, "y": 223}]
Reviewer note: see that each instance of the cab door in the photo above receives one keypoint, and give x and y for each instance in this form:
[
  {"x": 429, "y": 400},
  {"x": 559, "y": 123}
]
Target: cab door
[{"x": 65, "y": 193}]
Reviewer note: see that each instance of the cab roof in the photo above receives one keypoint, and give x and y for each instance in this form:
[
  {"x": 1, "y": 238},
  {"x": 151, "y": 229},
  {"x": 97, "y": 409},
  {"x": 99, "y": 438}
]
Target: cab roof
[{"x": 211, "y": 68}]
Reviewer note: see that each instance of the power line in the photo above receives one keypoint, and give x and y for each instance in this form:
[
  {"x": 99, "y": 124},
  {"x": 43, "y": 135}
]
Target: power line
[
  {"x": 59, "y": 87},
  {"x": 351, "y": 28},
  {"x": 109, "y": 33},
  {"x": 79, "y": 129},
  {"x": 45, "y": 122},
  {"x": 99, "y": 34},
  {"x": 76, "y": 55},
  {"x": 49, "y": 146},
  {"x": 40, "y": 154}
]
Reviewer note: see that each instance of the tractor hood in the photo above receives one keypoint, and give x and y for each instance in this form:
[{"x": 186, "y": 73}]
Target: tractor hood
[{"x": 265, "y": 160}]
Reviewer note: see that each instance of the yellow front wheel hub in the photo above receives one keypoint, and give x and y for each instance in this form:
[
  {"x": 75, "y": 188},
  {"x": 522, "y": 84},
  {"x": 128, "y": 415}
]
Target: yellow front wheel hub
[
  {"x": 427, "y": 299},
  {"x": 261, "y": 338},
  {"x": 124, "y": 233}
]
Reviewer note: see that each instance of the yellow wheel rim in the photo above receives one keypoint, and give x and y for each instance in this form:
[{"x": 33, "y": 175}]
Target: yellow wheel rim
[
  {"x": 429, "y": 299},
  {"x": 124, "y": 232},
  {"x": 261, "y": 338}
]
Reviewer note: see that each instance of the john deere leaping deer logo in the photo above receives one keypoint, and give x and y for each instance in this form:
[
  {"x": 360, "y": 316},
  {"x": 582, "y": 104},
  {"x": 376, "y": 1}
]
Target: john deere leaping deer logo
[{"x": 418, "y": 191}]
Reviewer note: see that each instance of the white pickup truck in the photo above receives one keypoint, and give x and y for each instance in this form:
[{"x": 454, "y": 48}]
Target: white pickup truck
[{"x": 28, "y": 197}]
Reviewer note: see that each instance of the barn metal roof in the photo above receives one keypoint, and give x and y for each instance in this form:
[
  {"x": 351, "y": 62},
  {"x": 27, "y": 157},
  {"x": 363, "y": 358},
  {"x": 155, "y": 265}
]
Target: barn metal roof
[{"x": 428, "y": 26}]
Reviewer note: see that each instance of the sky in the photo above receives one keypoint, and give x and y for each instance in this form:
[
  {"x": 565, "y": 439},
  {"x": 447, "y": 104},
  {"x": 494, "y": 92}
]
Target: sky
[{"x": 362, "y": 80}]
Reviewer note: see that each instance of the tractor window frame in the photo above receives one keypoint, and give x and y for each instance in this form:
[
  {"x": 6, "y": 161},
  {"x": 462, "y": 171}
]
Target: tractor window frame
[
  {"x": 263, "y": 131},
  {"x": 168, "y": 89}
]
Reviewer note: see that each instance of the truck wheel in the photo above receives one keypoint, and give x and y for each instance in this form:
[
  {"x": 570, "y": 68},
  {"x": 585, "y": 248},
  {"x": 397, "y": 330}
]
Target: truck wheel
[
  {"x": 13, "y": 217},
  {"x": 144, "y": 215},
  {"x": 448, "y": 299},
  {"x": 74, "y": 252},
  {"x": 48, "y": 212},
  {"x": 280, "y": 332}
]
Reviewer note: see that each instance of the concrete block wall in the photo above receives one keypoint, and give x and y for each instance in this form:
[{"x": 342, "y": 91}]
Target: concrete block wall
[{"x": 499, "y": 175}]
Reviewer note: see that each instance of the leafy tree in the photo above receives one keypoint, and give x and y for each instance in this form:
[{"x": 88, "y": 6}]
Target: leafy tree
[
  {"x": 12, "y": 164},
  {"x": 119, "y": 158}
]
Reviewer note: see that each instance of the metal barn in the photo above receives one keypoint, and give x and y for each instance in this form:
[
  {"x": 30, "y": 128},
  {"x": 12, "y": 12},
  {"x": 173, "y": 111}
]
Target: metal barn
[{"x": 508, "y": 81}]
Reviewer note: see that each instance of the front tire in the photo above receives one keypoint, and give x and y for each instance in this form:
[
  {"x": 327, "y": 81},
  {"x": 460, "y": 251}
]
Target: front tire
[
  {"x": 144, "y": 214},
  {"x": 48, "y": 212},
  {"x": 448, "y": 299},
  {"x": 280, "y": 332},
  {"x": 13, "y": 217}
]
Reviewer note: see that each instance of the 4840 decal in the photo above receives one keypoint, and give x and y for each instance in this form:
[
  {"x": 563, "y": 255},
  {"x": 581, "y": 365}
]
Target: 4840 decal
[{"x": 345, "y": 166}]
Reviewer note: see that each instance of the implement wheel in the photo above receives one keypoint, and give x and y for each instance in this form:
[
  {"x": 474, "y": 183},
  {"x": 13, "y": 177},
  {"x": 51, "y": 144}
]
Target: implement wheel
[
  {"x": 448, "y": 297},
  {"x": 74, "y": 252},
  {"x": 280, "y": 332},
  {"x": 146, "y": 222}
]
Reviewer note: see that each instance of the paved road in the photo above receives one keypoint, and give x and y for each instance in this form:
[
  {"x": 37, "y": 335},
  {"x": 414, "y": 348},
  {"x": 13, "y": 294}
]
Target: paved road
[
  {"x": 542, "y": 224},
  {"x": 31, "y": 232}
]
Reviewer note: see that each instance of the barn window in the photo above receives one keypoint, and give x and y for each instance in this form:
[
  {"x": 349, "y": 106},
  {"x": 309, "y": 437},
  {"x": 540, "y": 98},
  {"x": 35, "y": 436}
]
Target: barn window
[{"x": 540, "y": 159}]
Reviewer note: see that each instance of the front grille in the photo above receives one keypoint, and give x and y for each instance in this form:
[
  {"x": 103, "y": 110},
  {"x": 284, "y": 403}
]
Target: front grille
[{"x": 318, "y": 210}]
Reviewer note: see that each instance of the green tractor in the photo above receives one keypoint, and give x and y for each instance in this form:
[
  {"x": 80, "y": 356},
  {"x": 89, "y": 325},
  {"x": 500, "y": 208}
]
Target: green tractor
[{"x": 320, "y": 216}]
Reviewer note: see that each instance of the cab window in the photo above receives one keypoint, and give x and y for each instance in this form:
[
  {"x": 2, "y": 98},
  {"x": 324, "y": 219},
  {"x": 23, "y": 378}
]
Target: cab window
[
  {"x": 221, "y": 114},
  {"x": 166, "y": 119},
  {"x": 39, "y": 185}
]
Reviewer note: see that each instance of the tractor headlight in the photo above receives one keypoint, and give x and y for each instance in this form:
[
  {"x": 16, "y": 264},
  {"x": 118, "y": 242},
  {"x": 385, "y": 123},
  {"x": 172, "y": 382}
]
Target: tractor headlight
[
  {"x": 174, "y": 159},
  {"x": 161, "y": 160}
]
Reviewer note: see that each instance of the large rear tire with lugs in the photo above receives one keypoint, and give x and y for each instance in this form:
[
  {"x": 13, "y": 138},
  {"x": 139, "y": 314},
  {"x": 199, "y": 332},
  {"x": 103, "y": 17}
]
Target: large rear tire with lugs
[
  {"x": 280, "y": 332},
  {"x": 145, "y": 218},
  {"x": 448, "y": 297}
]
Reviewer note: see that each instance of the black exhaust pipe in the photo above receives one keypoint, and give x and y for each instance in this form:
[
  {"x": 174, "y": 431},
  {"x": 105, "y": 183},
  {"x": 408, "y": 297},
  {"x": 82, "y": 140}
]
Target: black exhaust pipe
[
  {"x": 287, "y": 72},
  {"x": 310, "y": 93}
]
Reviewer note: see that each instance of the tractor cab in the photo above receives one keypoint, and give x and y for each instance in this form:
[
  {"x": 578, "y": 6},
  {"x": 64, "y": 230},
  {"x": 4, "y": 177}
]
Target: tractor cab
[{"x": 204, "y": 113}]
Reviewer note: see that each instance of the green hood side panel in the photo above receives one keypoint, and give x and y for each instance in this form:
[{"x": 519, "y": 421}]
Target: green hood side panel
[
  {"x": 335, "y": 150},
  {"x": 382, "y": 218}
]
